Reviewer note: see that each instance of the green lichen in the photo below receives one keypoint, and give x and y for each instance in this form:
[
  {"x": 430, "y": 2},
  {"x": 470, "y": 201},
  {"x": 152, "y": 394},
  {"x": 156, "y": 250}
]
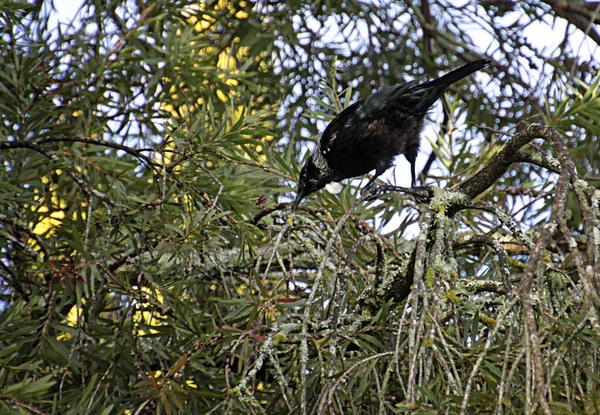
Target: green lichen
[{"x": 451, "y": 296}]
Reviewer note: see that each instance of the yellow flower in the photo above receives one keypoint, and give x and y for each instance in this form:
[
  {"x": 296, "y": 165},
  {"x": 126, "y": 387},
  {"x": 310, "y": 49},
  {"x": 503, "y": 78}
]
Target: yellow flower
[{"x": 148, "y": 318}]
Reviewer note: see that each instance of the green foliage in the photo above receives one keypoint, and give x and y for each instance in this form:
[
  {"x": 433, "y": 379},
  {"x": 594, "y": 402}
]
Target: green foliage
[{"x": 150, "y": 263}]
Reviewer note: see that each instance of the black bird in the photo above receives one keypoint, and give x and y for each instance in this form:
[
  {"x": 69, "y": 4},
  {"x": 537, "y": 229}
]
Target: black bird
[{"x": 370, "y": 133}]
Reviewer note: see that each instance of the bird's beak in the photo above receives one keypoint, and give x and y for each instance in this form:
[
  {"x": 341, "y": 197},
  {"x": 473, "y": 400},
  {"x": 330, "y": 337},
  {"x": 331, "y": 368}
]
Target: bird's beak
[{"x": 299, "y": 198}]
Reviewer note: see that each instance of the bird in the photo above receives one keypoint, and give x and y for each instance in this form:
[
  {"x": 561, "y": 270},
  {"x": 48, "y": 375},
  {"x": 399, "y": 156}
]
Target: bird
[{"x": 369, "y": 134}]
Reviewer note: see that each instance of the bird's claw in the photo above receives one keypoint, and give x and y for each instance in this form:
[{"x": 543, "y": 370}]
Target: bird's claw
[
  {"x": 370, "y": 193},
  {"x": 422, "y": 194}
]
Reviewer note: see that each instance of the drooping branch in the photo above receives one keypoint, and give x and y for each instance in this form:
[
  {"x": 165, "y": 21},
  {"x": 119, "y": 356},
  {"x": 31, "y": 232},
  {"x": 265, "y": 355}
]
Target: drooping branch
[
  {"x": 537, "y": 254},
  {"x": 37, "y": 146},
  {"x": 476, "y": 239}
]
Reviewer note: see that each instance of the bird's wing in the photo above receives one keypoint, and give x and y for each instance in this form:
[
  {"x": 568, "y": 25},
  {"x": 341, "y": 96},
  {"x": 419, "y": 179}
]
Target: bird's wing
[
  {"x": 350, "y": 124},
  {"x": 421, "y": 97}
]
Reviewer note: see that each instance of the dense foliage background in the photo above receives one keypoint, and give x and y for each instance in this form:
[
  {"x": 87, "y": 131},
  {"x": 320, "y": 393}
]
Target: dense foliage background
[{"x": 150, "y": 262}]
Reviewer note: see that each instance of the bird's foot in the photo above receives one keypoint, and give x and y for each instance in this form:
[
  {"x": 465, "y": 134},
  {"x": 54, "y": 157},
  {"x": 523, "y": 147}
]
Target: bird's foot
[
  {"x": 370, "y": 193},
  {"x": 422, "y": 194}
]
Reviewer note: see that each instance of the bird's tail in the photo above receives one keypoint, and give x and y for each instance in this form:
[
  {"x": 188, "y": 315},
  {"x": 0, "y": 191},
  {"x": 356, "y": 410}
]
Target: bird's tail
[
  {"x": 458, "y": 74},
  {"x": 421, "y": 97}
]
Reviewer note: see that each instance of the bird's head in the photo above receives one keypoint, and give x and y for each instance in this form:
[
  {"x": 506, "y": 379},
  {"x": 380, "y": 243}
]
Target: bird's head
[{"x": 313, "y": 176}]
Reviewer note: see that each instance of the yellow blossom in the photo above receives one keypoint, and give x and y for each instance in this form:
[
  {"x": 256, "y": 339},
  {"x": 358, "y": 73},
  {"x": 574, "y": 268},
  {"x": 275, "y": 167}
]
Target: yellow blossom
[{"x": 241, "y": 15}]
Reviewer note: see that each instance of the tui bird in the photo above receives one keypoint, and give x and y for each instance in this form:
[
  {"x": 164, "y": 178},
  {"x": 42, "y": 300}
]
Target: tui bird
[{"x": 370, "y": 133}]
